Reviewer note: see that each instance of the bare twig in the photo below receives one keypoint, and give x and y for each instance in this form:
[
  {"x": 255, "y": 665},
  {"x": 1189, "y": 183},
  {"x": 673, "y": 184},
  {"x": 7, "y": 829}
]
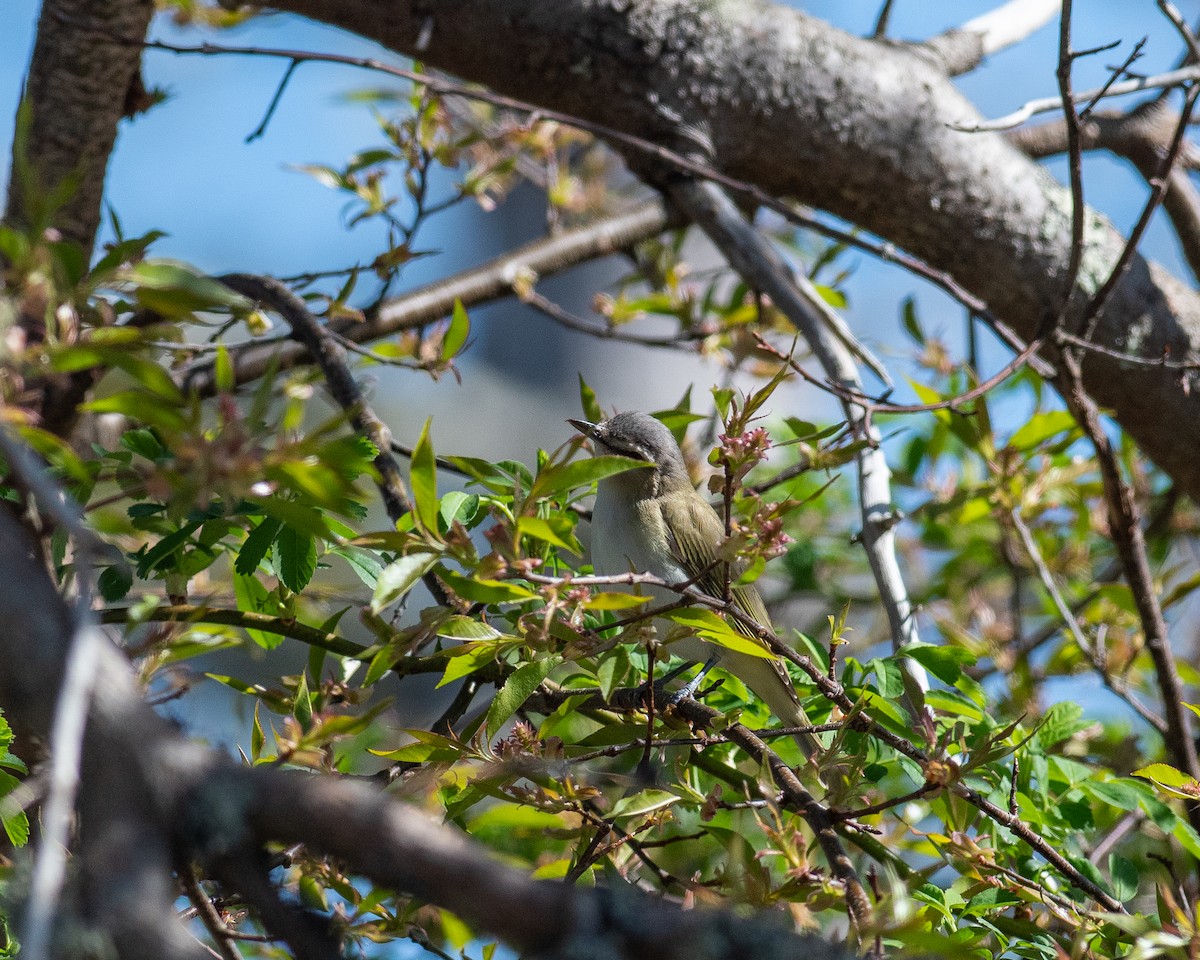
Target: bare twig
[
  {"x": 1089, "y": 650},
  {"x": 1125, "y": 527},
  {"x": 491, "y": 281},
  {"x": 210, "y": 916},
  {"x": 1172, "y": 78},
  {"x": 1159, "y": 185}
]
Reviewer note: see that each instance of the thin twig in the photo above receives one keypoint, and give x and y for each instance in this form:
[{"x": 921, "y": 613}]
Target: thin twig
[
  {"x": 1124, "y": 522},
  {"x": 1087, "y": 648},
  {"x": 1161, "y": 81},
  {"x": 209, "y": 915},
  {"x": 1159, "y": 184}
]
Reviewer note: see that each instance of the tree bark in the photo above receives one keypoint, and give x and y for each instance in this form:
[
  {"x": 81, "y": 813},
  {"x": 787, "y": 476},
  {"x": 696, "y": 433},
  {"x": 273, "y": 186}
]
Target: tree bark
[
  {"x": 80, "y": 84},
  {"x": 861, "y": 128}
]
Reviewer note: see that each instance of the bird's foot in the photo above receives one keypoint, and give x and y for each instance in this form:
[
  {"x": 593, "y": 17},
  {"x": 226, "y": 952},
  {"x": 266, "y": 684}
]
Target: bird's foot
[{"x": 689, "y": 689}]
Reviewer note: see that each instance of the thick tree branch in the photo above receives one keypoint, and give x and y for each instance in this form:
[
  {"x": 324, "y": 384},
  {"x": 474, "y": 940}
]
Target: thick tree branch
[{"x": 867, "y": 132}]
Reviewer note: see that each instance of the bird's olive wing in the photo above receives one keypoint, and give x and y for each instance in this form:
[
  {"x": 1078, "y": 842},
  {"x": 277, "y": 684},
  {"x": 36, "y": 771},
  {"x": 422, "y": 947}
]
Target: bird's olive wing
[{"x": 694, "y": 543}]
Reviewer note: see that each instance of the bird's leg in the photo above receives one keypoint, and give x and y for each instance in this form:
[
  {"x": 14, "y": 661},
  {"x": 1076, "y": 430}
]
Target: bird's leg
[
  {"x": 643, "y": 691},
  {"x": 692, "y": 685}
]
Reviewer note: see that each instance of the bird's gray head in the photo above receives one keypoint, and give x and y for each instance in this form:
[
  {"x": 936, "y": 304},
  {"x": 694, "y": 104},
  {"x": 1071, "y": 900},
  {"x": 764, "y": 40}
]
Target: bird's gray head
[{"x": 636, "y": 435}]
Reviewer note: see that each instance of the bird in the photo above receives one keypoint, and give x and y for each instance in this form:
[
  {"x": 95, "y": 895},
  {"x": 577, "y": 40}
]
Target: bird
[{"x": 654, "y": 521}]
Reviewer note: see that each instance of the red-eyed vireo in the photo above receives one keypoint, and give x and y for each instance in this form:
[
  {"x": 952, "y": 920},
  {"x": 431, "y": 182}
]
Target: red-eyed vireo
[{"x": 653, "y": 521}]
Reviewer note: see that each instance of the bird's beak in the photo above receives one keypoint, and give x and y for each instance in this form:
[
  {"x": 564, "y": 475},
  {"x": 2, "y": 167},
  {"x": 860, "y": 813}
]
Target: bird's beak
[{"x": 584, "y": 427}]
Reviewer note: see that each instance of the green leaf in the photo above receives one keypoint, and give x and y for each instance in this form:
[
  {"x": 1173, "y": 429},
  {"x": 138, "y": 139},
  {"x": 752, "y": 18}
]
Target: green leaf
[
  {"x": 139, "y": 405},
  {"x": 399, "y": 577},
  {"x": 1124, "y": 877},
  {"x": 706, "y": 624},
  {"x": 366, "y": 565},
  {"x": 541, "y": 529},
  {"x": 647, "y": 801},
  {"x": 457, "y": 332},
  {"x": 1174, "y": 782},
  {"x": 614, "y": 601},
  {"x": 912, "y": 326},
  {"x": 1041, "y": 427},
  {"x": 296, "y": 558},
  {"x": 486, "y": 591},
  {"x": 16, "y": 823},
  {"x": 467, "y": 658},
  {"x": 945, "y": 663},
  {"x": 175, "y": 289},
  {"x": 302, "y": 705},
  {"x": 588, "y": 402},
  {"x": 581, "y": 473},
  {"x": 516, "y": 690},
  {"x": 223, "y": 370},
  {"x": 255, "y": 546},
  {"x": 1064, "y": 719},
  {"x": 461, "y": 627},
  {"x": 258, "y": 739},
  {"x": 423, "y": 476},
  {"x": 459, "y": 507},
  {"x": 143, "y": 442},
  {"x": 115, "y": 581}
]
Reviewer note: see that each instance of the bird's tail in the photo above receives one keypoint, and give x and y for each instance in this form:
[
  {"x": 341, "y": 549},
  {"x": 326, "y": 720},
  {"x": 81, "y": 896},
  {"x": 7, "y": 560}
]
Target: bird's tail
[{"x": 766, "y": 678}]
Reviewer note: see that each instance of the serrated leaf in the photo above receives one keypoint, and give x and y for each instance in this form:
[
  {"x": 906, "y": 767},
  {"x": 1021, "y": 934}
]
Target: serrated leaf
[
  {"x": 516, "y": 690},
  {"x": 366, "y": 565},
  {"x": 115, "y": 581},
  {"x": 399, "y": 577},
  {"x": 144, "y": 443},
  {"x": 254, "y": 548},
  {"x": 16, "y": 823},
  {"x": 296, "y": 553}
]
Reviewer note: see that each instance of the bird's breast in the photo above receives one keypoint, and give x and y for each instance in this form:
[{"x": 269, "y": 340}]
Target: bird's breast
[{"x": 629, "y": 534}]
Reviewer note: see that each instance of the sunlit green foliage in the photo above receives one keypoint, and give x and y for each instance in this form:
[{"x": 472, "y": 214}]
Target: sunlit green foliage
[{"x": 226, "y": 508}]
